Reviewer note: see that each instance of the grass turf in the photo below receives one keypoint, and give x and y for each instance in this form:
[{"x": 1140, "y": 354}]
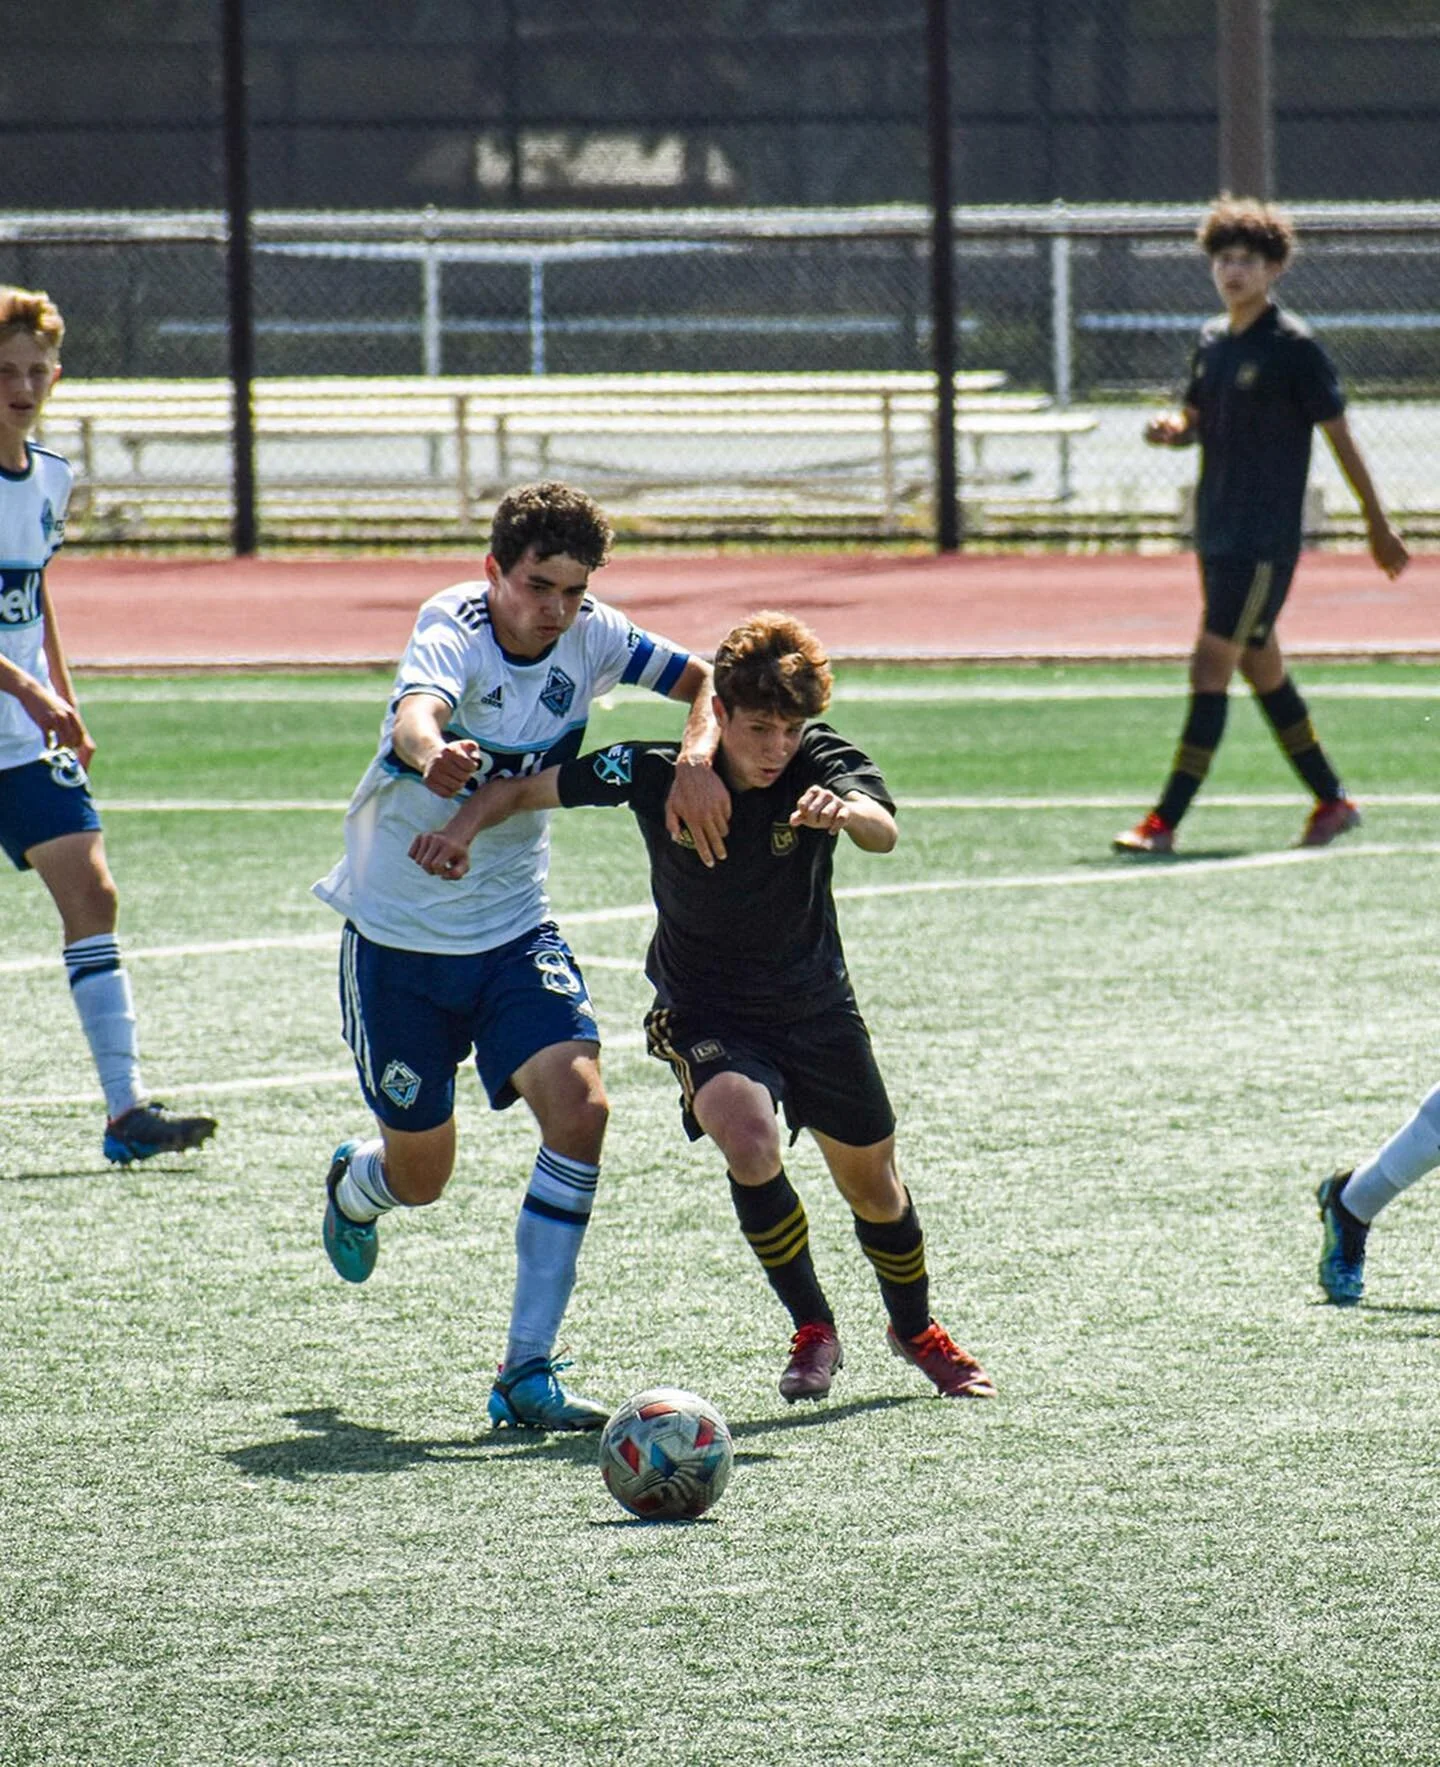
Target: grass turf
[{"x": 253, "y": 1516}]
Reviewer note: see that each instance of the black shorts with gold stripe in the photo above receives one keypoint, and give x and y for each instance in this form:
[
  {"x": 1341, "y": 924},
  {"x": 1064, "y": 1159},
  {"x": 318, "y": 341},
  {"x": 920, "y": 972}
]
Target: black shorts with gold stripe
[
  {"x": 820, "y": 1071},
  {"x": 1243, "y": 596}
]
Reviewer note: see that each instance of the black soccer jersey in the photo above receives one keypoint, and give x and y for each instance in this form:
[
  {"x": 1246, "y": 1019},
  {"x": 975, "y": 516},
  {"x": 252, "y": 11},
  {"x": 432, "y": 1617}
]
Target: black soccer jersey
[
  {"x": 755, "y": 937},
  {"x": 1259, "y": 392}
]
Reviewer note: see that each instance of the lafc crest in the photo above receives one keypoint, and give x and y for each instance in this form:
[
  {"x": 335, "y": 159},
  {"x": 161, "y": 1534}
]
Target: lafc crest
[{"x": 783, "y": 839}]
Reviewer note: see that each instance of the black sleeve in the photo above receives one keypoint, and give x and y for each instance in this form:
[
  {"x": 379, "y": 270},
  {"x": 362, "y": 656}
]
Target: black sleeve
[
  {"x": 1317, "y": 382},
  {"x": 636, "y": 773},
  {"x": 841, "y": 767}
]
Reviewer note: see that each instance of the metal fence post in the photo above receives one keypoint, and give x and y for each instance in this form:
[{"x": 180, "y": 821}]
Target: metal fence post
[{"x": 1061, "y": 341}]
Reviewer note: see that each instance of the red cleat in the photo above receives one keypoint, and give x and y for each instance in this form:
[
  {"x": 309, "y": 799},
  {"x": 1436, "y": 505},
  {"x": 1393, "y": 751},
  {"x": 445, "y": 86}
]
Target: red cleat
[
  {"x": 955, "y": 1372},
  {"x": 1150, "y": 836},
  {"x": 815, "y": 1354},
  {"x": 1333, "y": 816}
]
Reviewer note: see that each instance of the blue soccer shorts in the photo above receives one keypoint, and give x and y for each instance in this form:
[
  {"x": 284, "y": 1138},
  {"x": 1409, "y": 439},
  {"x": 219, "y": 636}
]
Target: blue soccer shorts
[
  {"x": 820, "y": 1071},
  {"x": 411, "y": 1017},
  {"x": 43, "y": 800}
]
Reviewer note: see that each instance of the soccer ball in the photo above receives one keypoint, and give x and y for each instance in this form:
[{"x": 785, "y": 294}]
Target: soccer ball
[{"x": 666, "y": 1454}]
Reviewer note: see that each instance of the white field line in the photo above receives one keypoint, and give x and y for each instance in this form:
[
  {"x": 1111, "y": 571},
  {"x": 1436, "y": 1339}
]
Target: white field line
[
  {"x": 206, "y": 1089},
  {"x": 1120, "y": 871},
  {"x": 1123, "y": 872}
]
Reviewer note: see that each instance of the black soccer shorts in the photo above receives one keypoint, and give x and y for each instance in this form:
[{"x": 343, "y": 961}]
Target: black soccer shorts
[
  {"x": 1243, "y": 596},
  {"x": 820, "y": 1071}
]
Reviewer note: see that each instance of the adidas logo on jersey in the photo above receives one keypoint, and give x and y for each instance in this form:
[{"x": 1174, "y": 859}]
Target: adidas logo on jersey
[{"x": 495, "y": 697}]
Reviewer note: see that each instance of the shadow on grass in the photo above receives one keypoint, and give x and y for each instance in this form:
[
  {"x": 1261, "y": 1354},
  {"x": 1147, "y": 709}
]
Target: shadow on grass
[
  {"x": 813, "y": 1416},
  {"x": 35, "y": 1175},
  {"x": 330, "y": 1444},
  {"x": 1423, "y": 1310},
  {"x": 1107, "y": 861}
]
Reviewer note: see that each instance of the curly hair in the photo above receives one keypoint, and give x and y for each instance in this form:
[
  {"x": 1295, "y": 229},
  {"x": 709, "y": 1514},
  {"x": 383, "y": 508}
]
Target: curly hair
[
  {"x": 553, "y": 518},
  {"x": 772, "y": 662},
  {"x": 32, "y": 310},
  {"x": 1247, "y": 222}
]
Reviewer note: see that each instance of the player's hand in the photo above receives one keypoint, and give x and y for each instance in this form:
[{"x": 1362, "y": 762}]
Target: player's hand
[
  {"x": 819, "y": 808},
  {"x": 699, "y": 802},
  {"x": 440, "y": 854},
  {"x": 1388, "y": 550},
  {"x": 59, "y": 722},
  {"x": 85, "y": 748},
  {"x": 450, "y": 768},
  {"x": 1169, "y": 431}
]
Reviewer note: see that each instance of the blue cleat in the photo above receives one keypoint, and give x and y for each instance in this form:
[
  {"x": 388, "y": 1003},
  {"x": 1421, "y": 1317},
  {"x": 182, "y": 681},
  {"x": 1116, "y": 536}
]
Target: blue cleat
[
  {"x": 530, "y": 1397},
  {"x": 149, "y": 1129},
  {"x": 1342, "y": 1257},
  {"x": 352, "y": 1246}
]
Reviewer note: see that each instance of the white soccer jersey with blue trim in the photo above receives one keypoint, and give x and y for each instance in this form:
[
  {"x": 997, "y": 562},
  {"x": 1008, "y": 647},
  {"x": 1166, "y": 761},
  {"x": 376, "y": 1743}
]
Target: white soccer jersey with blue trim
[
  {"x": 32, "y": 526},
  {"x": 525, "y": 714}
]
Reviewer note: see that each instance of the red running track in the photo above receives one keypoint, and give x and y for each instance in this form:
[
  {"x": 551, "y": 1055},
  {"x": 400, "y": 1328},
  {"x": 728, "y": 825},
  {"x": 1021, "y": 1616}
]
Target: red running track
[{"x": 155, "y": 613}]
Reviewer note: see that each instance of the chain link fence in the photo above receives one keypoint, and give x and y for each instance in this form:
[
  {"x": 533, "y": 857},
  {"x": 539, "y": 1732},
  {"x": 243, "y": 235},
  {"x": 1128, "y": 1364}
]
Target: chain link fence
[
  {"x": 494, "y": 239},
  {"x": 709, "y": 375}
]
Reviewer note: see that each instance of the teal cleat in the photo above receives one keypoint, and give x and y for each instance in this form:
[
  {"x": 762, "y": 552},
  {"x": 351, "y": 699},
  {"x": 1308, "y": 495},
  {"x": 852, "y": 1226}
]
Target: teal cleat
[
  {"x": 1342, "y": 1257},
  {"x": 152, "y": 1128},
  {"x": 352, "y": 1246},
  {"x": 530, "y": 1397}
]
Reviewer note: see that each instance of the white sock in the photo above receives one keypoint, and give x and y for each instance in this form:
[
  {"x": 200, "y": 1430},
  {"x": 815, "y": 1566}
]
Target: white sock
[
  {"x": 362, "y": 1193},
  {"x": 1409, "y": 1154},
  {"x": 101, "y": 992},
  {"x": 553, "y": 1219}
]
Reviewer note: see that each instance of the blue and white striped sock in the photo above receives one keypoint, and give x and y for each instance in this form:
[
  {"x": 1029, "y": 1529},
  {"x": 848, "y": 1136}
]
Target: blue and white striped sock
[
  {"x": 362, "y": 1193},
  {"x": 553, "y": 1219},
  {"x": 100, "y": 989}
]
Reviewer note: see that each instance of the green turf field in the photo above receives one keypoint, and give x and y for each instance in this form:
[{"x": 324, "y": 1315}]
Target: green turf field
[{"x": 251, "y": 1516}]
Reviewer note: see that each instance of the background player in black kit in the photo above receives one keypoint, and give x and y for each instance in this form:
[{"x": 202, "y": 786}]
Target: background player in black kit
[
  {"x": 1259, "y": 384},
  {"x": 753, "y": 1004}
]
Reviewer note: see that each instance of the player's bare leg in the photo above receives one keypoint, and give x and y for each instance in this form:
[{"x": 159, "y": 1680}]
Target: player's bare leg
[
  {"x": 738, "y": 1115},
  {"x": 74, "y": 870}
]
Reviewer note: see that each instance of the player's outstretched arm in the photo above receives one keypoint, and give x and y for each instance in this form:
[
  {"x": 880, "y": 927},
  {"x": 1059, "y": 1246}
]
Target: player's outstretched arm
[
  {"x": 1386, "y": 547},
  {"x": 868, "y": 823},
  {"x": 418, "y": 737},
  {"x": 698, "y": 799},
  {"x": 445, "y": 852}
]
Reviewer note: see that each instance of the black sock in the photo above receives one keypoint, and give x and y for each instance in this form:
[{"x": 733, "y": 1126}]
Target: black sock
[
  {"x": 897, "y": 1250},
  {"x": 772, "y": 1218},
  {"x": 1204, "y": 726},
  {"x": 1290, "y": 720}
]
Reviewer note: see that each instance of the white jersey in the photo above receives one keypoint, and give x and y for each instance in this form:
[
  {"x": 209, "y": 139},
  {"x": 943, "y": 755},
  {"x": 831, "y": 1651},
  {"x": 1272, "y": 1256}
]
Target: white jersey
[
  {"x": 525, "y": 714},
  {"x": 32, "y": 526}
]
